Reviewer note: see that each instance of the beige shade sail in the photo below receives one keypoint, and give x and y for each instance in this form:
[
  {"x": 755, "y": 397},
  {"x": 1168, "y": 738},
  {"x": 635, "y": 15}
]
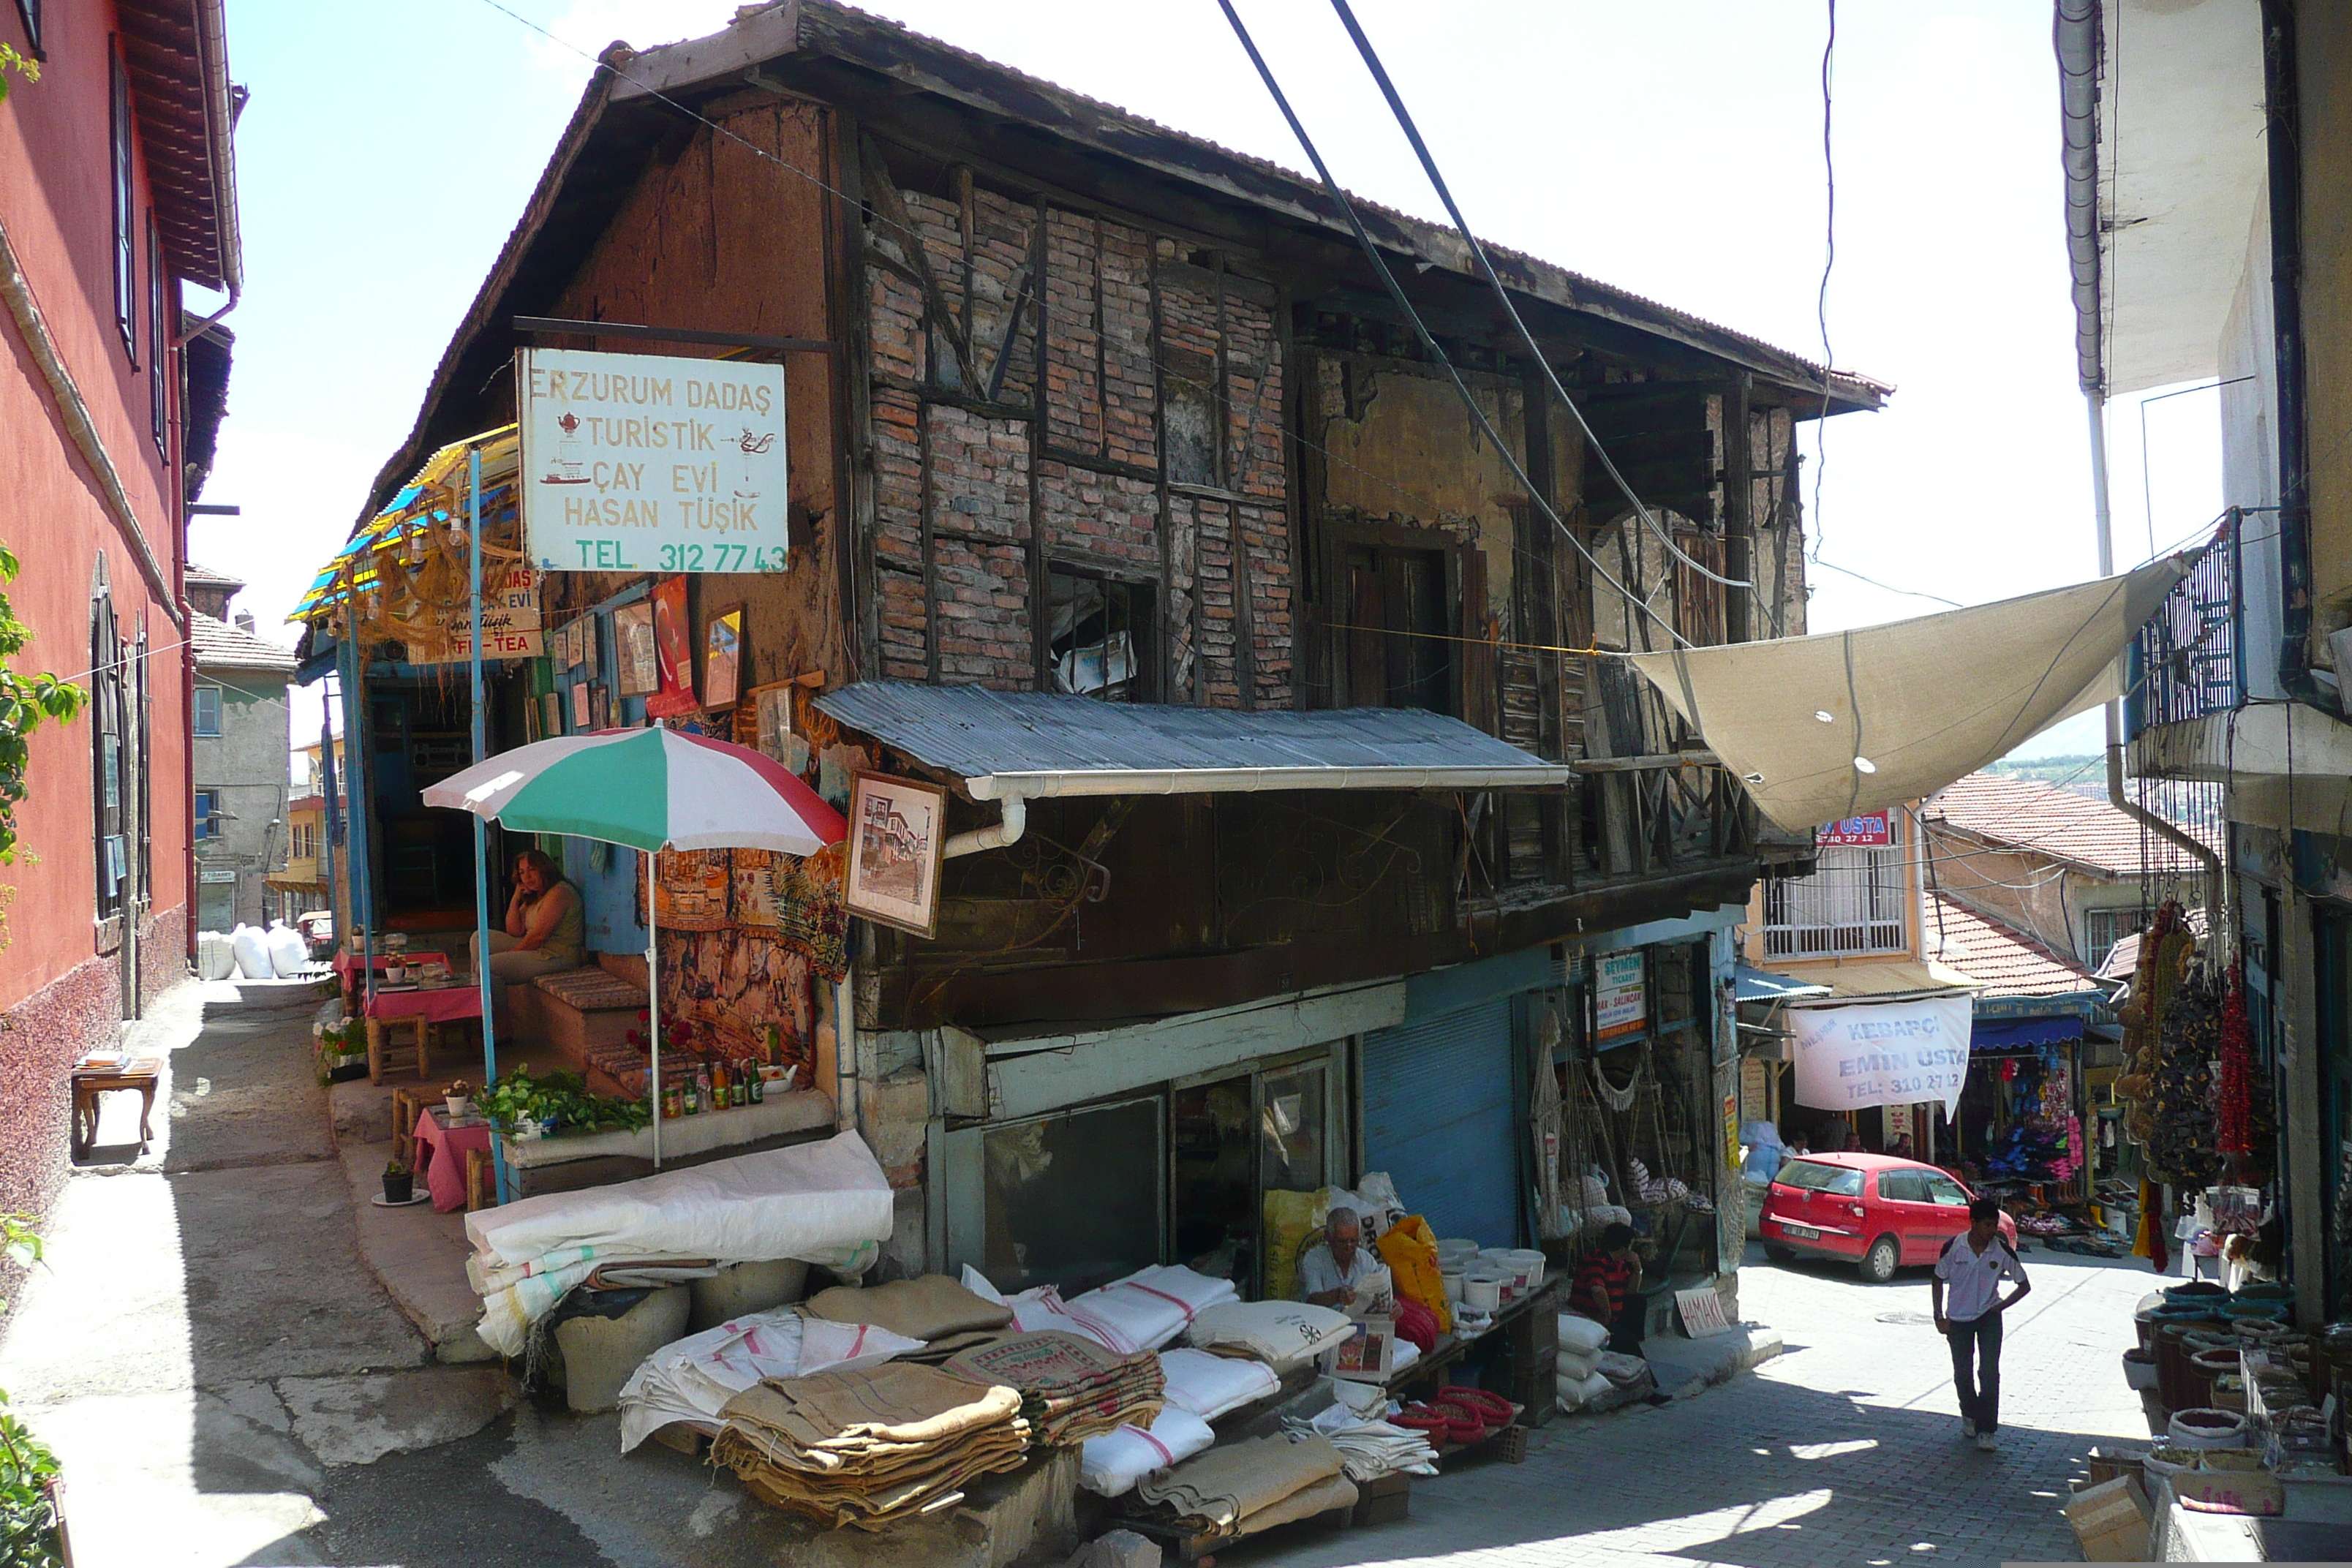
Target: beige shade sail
[{"x": 1824, "y": 727}]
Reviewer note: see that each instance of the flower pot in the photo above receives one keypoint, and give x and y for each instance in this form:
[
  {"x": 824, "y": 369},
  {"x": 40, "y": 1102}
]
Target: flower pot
[
  {"x": 399, "y": 1189},
  {"x": 458, "y": 1107},
  {"x": 347, "y": 1069}
]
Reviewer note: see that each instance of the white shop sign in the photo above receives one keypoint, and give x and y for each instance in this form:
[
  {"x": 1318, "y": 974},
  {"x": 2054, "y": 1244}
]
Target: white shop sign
[
  {"x": 1620, "y": 999},
  {"x": 651, "y": 463},
  {"x": 1882, "y": 1053}
]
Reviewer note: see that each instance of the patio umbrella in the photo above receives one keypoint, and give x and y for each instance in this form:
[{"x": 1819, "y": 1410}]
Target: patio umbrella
[{"x": 652, "y": 790}]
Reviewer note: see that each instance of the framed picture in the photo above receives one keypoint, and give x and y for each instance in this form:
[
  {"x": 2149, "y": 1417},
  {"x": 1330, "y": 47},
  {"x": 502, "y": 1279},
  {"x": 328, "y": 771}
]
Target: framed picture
[
  {"x": 587, "y": 624},
  {"x": 551, "y": 715},
  {"x": 896, "y": 830},
  {"x": 600, "y": 708},
  {"x": 567, "y": 646},
  {"x": 580, "y": 716},
  {"x": 723, "y": 656},
  {"x": 673, "y": 651},
  {"x": 639, "y": 673}
]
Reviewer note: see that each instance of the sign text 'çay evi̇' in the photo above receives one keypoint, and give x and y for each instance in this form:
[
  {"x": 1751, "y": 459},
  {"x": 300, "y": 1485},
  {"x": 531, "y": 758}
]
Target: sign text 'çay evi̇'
[
  {"x": 510, "y": 620},
  {"x": 651, "y": 463},
  {"x": 1882, "y": 1053}
]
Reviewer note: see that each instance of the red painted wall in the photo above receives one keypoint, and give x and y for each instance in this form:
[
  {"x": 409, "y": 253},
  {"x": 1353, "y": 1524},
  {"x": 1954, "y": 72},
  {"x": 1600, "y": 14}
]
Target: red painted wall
[{"x": 56, "y": 208}]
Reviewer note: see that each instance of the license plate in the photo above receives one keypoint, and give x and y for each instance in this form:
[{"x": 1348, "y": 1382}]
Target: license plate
[{"x": 1805, "y": 1231}]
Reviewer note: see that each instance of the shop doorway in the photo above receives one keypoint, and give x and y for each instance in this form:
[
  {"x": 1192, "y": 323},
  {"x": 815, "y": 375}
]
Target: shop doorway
[{"x": 1231, "y": 1141}]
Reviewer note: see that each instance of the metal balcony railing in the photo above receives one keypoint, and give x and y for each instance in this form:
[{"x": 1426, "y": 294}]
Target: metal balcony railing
[{"x": 2183, "y": 665}]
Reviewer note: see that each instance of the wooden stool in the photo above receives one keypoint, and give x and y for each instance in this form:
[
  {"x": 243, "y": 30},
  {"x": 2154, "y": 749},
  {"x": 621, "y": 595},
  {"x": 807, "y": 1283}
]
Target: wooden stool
[
  {"x": 140, "y": 1076},
  {"x": 381, "y": 1048},
  {"x": 407, "y": 1105}
]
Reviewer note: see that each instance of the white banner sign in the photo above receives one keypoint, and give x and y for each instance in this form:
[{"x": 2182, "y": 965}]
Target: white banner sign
[
  {"x": 1882, "y": 1053},
  {"x": 651, "y": 463}
]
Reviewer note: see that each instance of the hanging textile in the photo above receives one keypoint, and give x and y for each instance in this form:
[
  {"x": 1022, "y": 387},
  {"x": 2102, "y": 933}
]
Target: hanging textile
[
  {"x": 2235, "y": 1133},
  {"x": 1544, "y": 1126}
]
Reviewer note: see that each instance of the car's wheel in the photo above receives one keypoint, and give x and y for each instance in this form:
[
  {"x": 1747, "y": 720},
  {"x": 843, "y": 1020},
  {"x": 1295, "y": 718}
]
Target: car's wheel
[
  {"x": 1878, "y": 1263},
  {"x": 1779, "y": 1254}
]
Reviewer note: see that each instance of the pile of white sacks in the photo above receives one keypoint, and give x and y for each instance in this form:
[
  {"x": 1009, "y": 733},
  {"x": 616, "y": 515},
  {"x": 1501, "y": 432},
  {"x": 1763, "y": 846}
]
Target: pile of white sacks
[{"x": 1586, "y": 1372}]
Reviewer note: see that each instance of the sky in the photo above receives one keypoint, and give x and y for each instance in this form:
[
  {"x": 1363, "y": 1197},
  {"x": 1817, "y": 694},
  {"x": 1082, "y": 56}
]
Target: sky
[{"x": 1672, "y": 149}]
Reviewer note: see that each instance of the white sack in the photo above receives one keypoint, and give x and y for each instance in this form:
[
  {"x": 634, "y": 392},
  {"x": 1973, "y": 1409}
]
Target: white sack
[
  {"x": 812, "y": 1198},
  {"x": 1209, "y": 1385},
  {"x": 1110, "y": 1465},
  {"x": 693, "y": 1379},
  {"x": 1883, "y": 1053},
  {"x": 252, "y": 950},
  {"x": 1148, "y": 1308},
  {"x": 1583, "y": 1335},
  {"x": 1567, "y": 1362},
  {"x": 1281, "y": 1334},
  {"x": 1926, "y": 700},
  {"x": 288, "y": 951}
]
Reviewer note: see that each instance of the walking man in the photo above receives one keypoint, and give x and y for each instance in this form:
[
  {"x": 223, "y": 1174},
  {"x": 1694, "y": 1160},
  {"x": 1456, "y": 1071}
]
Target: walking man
[{"x": 1973, "y": 1268}]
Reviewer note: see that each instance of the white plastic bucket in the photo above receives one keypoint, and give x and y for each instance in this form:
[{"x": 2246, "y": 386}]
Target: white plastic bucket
[
  {"x": 1530, "y": 1264},
  {"x": 1483, "y": 1288},
  {"x": 1457, "y": 1249},
  {"x": 1452, "y": 1277}
]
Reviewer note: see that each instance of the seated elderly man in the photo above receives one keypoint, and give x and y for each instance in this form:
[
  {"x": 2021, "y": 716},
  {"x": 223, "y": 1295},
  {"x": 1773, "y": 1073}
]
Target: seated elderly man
[{"x": 1327, "y": 1275}]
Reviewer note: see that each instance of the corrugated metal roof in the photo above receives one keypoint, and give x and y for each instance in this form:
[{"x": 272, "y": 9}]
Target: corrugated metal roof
[{"x": 1040, "y": 743}]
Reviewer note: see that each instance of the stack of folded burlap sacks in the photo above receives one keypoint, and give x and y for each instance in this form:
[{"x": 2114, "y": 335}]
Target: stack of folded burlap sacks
[
  {"x": 932, "y": 1308},
  {"x": 1071, "y": 1388},
  {"x": 1243, "y": 1488},
  {"x": 866, "y": 1447}
]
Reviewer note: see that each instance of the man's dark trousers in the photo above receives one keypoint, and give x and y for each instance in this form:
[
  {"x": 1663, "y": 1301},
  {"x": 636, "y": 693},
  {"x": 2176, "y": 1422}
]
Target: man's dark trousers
[{"x": 1977, "y": 1340}]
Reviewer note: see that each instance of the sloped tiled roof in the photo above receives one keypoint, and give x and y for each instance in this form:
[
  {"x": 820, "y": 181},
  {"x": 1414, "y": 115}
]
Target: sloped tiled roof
[
  {"x": 219, "y": 645},
  {"x": 2028, "y": 814},
  {"x": 205, "y": 577},
  {"x": 2005, "y": 962}
]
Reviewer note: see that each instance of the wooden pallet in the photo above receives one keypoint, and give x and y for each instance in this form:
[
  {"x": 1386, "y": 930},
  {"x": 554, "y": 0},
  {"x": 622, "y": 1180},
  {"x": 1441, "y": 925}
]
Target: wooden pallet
[{"x": 1201, "y": 1546}]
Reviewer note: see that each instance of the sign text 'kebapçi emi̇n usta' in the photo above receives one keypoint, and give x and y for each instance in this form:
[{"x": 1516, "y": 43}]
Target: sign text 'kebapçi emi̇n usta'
[{"x": 649, "y": 463}]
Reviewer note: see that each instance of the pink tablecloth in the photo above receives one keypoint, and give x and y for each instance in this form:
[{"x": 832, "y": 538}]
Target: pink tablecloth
[
  {"x": 345, "y": 963},
  {"x": 463, "y": 1000},
  {"x": 441, "y": 1155}
]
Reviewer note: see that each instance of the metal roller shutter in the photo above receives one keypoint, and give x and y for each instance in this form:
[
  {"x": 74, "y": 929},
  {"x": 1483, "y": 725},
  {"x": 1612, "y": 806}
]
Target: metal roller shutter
[{"x": 1438, "y": 1119}]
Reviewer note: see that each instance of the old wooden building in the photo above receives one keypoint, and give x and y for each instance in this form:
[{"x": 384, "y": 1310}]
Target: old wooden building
[{"x": 1295, "y": 794}]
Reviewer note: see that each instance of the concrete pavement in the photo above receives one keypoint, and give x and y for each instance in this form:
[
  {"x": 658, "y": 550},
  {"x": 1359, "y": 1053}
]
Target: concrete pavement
[{"x": 228, "y": 1382}]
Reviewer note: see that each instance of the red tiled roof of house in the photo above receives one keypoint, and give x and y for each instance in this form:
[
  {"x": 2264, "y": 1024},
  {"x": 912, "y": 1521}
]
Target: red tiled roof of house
[
  {"x": 2004, "y": 961},
  {"x": 2028, "y": 814}
]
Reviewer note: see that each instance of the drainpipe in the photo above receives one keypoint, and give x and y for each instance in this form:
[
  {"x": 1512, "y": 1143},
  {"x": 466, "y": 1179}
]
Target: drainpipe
[
  {"x": 2217, "y": 890},
  {"x": 1007, "y": 828}
]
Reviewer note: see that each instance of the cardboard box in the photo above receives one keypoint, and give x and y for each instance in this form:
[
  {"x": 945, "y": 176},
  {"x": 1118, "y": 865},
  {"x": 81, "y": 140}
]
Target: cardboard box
[
  {"x": 2128, "y": 1544},
  {"x": 2119, "y": 1508}
]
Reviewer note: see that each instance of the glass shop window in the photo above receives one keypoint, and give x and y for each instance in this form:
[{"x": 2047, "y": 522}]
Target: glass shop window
[
  {"x": 208, "y": 710},
  {"x": 1074, "y": 1199}
]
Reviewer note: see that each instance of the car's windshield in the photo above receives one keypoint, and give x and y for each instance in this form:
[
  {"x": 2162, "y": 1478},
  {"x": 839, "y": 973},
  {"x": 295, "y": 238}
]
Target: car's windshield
[{"x": 1812, "y": 1176}]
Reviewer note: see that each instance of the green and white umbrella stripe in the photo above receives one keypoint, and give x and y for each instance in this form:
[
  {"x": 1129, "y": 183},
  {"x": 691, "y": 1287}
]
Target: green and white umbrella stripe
[{"x": 649, "y": 789}]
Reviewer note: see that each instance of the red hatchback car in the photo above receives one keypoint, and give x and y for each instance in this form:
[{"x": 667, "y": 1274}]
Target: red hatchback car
[{"x": 1874, "y": 1211}]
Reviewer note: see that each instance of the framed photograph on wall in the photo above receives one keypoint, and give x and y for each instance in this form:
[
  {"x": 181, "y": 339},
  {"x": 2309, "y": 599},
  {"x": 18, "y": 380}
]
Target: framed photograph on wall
[
  {"x": 587, "y": 624},
  {"x": 896, "y": 830},
  {"x": 723, "y": 656},
  {"x": 633, "y": 649},
  {"x": 551, "y": 715},
  {"x": 579, "y": 714},
  {"x": 674, "y": 651}
]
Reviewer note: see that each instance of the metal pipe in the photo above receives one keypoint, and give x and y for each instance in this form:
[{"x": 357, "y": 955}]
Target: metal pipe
[
  {"x": 845, "y": 1051},
  {"x": 357, "y": 784},
  {"x": 1007, "y": 829},
  {"x": 2217, "y": 890},
  {"x": 2281, "y": 101},
  {"x": 2077, "y": 42},
  {"x": 481, "y": 831},
  {"x": 1221, "y": 780}
]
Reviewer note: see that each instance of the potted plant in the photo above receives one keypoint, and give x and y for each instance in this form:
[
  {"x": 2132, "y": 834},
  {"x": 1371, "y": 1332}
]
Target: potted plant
[
  {"x": 399, "y": 1182},
  {"x": 341, "y": 1050},
  {"x": 458, "y": 1100}
]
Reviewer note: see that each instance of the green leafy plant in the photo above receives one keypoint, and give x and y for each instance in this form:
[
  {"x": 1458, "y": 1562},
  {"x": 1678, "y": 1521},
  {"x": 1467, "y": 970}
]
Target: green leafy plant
[
  {"x": 10, "y": 60},
  {"x": 27, "y": 700},
  {"x": 29, "y": 1537},
  {"x": 519, "y": 1097},
  {"x": 397, "y": 1168},
  {"x": 20, "y": 1244}
]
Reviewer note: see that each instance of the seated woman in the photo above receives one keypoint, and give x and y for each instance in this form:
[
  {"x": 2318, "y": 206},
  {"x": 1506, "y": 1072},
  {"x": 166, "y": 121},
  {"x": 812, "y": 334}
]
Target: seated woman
[{"x": 543, "y": 929}]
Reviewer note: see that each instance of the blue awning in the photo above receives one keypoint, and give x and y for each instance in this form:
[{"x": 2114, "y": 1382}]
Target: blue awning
[
  {"x": 1763, "y": 985},
  {"x": 2021, "y": 1034}
]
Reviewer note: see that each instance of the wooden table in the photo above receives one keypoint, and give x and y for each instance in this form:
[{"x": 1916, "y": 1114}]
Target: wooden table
[
  {"x": 142, "y": 1074},
  {"x": 421, "y": 1012}
]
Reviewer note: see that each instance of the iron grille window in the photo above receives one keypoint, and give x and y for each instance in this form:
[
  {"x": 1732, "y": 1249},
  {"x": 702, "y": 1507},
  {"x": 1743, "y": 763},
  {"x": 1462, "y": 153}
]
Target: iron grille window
[
  {"x": 2101, "y": 929},
  {"x": 1098, "y": 637},
  {"x": 208, "y": 710},
  {"x": 1852, "y": 902}
]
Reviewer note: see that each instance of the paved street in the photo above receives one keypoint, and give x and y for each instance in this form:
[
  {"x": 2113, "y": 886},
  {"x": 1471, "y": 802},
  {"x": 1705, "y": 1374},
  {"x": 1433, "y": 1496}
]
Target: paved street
[
  {"x": 209, "y": 1298},
  {"x": 1845, "y": 1450}
]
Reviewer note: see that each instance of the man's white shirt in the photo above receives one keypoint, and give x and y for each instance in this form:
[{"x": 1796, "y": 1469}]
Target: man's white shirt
[{"x": 1973, "y": 1279}]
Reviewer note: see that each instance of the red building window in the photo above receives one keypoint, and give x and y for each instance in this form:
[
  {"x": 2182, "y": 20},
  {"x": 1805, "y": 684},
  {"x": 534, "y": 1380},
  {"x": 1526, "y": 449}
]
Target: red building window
[
  {"x": 126, "y": 261},
  {"x": 159, "y": 344}
]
